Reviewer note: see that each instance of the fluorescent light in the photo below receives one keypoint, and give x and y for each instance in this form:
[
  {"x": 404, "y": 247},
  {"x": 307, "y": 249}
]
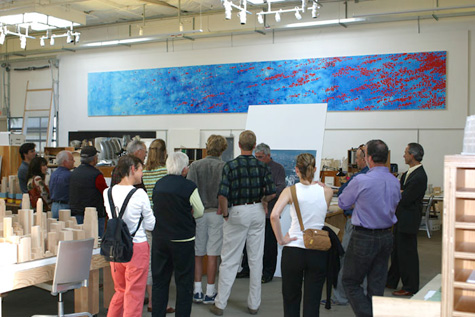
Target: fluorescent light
[
  {"x": 34, "y": 17},
  {"x": 326, "y": 22},
  {"x": 128, "y": 41},
  {"x": 257, "y": 2},
  {"x": 60, "y": 23},
  {"x": 12, "y": 19}
]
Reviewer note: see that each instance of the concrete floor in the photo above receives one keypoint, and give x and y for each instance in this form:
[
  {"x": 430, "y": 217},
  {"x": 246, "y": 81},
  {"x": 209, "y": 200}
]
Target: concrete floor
[{"x": 32, "y": 300}]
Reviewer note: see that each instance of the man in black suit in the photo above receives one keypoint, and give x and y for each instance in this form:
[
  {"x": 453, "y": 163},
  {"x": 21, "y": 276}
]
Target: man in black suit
[{"x": 404, "y": 258}]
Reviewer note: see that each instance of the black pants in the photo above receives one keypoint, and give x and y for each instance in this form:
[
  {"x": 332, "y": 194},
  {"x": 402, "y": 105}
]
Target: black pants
[
  {"x": 307, "y": 266},
  {"x": 166, "y": 257},
  {"x": 269, "y": 260},
  {"x": 404, "y": 262}
]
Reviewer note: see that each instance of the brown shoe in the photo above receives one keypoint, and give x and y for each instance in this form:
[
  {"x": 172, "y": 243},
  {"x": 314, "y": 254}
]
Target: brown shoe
[
  {"x": 402, "y": 292},
  {"x": 170, "y": 310},
  {"x": 215, "y": 310},
  {"x": 252, "y": 311}
]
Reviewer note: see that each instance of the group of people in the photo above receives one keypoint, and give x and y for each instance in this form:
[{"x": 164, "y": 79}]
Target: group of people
[{"x": 183, "y": 212}]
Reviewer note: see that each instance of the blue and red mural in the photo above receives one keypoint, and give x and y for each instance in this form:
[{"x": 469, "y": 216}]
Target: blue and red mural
[{"x": 408, "y": 81}]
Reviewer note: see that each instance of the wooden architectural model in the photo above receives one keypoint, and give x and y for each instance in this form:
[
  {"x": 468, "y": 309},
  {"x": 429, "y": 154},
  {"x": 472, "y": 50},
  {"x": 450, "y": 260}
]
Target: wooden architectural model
[{"x": 30, "y": 236}]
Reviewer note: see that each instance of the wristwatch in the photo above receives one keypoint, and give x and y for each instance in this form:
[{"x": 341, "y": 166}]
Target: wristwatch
[{"x": 227, "y": 216}]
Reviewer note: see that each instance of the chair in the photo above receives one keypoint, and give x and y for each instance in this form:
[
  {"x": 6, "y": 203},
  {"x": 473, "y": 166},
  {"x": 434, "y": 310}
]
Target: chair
[
  {"x": 71, "y": 271},
  {"x": 426, "y": 216}
]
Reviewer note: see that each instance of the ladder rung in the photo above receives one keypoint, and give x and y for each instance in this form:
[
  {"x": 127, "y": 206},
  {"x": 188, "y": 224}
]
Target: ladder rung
[{"x": 40, "y": 89}]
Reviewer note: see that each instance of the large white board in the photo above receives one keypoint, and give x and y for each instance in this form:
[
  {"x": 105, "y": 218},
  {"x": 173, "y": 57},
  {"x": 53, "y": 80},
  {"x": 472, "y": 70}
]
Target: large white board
[{"x": 290, "y": 127}]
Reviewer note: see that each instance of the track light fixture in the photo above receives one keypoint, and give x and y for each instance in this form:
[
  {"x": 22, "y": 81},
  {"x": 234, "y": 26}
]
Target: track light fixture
[
  {"x": 260, "y": 18},
  {"x": 23, "y": 42},
  {"x": 228, "y": 7},
  {"x": 315, "y": 9},
  {"x": 298, "y": 16},
  {"x": 242, "y": 17},
  {"x": 2, "y": 35}
]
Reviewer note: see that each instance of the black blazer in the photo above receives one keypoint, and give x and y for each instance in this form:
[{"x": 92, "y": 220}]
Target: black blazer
[{"x": 409, "y": 209}]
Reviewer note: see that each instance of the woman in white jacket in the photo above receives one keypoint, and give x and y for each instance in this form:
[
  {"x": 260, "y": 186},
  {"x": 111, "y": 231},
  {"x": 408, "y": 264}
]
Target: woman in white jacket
[{"x": 130, "y": 278}]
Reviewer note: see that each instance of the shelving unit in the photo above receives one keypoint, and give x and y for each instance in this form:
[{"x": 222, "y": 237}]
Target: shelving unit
[
  {"x": 194, "y": 154},
  {"x": 458, "y": 253},
  {"x": 353, "y": 168},
  {"x": 51, "y": 152}
]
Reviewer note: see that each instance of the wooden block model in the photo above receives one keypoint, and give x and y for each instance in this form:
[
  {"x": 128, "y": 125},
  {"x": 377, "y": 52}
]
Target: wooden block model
[
  {"x": 29, "y": 236},
  {"x": 4, "y": 185},
  {"x": 25, "y": 202},
  {"x": 24, "y": 250},
  {"x": 53, "y": 242},
  {"x": 7, "y": 227},
  {"x": 65, "y": 235},
  {"x": 65, "y": 215},
  {"x": 90, "y": 224}
]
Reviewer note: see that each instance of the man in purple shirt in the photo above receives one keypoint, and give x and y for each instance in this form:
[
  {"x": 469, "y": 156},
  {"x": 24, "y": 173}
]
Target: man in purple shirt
[{"x": 374, "y": 197}]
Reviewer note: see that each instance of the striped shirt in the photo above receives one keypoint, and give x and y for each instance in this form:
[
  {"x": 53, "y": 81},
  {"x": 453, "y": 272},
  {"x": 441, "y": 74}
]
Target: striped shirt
[{"x": 150, "y": 178}]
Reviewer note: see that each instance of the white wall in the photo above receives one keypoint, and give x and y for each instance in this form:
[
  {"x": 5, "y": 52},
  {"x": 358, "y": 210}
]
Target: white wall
[{"x": 439, "y": 131}]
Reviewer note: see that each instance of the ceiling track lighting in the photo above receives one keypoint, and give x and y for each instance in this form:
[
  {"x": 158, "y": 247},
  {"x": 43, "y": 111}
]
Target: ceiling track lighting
[
  {"x": 70, "y": 35},
  {"x": 278, "y": 13},
  {"x": 228, "y": 8}
]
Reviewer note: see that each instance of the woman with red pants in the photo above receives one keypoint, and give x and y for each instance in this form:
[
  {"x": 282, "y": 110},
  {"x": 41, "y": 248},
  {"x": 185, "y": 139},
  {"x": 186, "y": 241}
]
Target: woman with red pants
[{"x": 130, "y": 278}]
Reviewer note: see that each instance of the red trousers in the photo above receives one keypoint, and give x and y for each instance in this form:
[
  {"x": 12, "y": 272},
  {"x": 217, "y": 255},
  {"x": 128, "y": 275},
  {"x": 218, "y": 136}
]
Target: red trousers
[{"x": 129, "y": 283}]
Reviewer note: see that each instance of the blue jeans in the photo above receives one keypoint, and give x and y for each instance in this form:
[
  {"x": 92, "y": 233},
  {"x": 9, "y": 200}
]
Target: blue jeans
[
  {"x": 101, "y": 223},
  {"x": 56, "y": 207},
  {"x": 367, "y": 256},
  {"x": 339, "y": 295}
]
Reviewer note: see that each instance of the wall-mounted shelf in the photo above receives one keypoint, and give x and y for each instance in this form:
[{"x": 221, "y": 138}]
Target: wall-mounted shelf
[{"x": 194, "y": 154}]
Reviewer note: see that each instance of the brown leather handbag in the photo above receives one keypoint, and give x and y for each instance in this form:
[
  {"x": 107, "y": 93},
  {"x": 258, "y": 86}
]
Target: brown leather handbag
[{"x": 315, "y": 239}]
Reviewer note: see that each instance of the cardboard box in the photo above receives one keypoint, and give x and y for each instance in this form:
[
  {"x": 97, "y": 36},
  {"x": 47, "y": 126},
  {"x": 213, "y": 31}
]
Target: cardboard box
[
  {"x": 434, "y": 224},
  {"x": 17, "y": 139},
  {"x": 7, "y": 138}
]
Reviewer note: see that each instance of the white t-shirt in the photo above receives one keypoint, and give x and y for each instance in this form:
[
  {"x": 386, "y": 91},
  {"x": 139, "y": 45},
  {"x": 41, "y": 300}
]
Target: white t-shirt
[
  {"x": 139, "y": 204},
  {"x": 313, "y": 208}
]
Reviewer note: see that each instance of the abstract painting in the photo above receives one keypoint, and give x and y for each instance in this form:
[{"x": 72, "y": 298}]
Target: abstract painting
[
  {"x": 287, "y": 158},
  {"x": 405, "y": 81}
]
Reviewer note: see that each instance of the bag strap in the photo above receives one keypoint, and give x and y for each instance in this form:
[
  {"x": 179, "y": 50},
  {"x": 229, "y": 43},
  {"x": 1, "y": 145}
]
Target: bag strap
[
  {"x": 124, "y": 206},
  {"x": 293, "y": 192}
]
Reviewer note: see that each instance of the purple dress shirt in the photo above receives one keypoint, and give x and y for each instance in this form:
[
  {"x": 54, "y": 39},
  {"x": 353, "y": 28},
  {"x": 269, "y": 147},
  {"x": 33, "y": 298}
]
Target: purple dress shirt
[{"x": 375, "y": 196}]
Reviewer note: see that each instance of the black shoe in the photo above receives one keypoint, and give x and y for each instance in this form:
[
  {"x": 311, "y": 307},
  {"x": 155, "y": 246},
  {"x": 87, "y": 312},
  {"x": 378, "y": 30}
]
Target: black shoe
[
  {"x": 243, "y": 274},
  {"x": 266, "y": 279}
]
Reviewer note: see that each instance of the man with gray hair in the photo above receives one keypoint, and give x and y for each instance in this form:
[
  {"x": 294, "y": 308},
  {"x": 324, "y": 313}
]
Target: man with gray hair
[
  {"x": 138, "y": 149},
  {"x": 86, "y": 186},
  {"x": 176, "y": 202},
  {"x": 404, "y": 258},
  {"x": 59, "y": 182}
]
